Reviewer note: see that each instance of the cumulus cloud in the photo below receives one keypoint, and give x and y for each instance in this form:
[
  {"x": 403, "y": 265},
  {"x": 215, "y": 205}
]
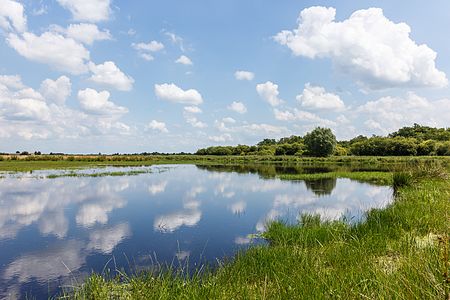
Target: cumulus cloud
[
  {"x": 315, "y": 97},
  {"x": 12, "y": 16},
  {"x": 19, "y": 103},
  {"x": 302, "y": 116},
  {"x": 157, "y": 126},
  {"x": 51, "y": 48},
  {"x": 194, "y": 122},
  {"x": 98, "y": 103},
  {"x": 269, "y": 92},
  {"x": 184, "y": 60},
  {"x": 387, "y": 114},
  {"x": 87, "y": 33},
  {"x": 376, "y": 51},
  {"x": 88, "y": 10},
  {"x": 145, "y": 50},
  {"x": 244, "y": 75},
  {"x": 172, "y": 93},
  {"x": 221, "y": 138},
  {"x": 29, "y": 114},
  {"x": 192, "y": 110},
  {"x": 57, "y": 90},
  {"x": 238, "y": 107},
  {"x": 109, "y": 74}
]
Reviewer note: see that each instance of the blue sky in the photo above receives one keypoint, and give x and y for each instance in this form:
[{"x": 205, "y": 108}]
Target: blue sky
[{"x": 87, "y": 76}]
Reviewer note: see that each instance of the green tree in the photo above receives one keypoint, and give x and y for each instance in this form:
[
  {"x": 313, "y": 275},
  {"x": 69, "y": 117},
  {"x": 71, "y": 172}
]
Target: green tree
[{"x": 320, "y": 142}]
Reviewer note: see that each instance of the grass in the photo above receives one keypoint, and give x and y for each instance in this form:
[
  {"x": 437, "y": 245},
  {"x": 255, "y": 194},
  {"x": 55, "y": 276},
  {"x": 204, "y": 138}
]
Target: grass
[
  {"x": 29, "y": 163},
  {"x": 381, "y": 178},
  {"x": 100, "y": 174},
  {"x": 400, "y": 252}
]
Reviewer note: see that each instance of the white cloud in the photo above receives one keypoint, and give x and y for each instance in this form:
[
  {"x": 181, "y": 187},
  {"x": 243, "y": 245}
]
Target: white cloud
[
  {"x": 109, "y": 74},
  {"x": 377, "y": 51},
  {"x": 302, "y": 116},
  {"x": 145, "y": 50},
  {"x": 194, "y": 122},
  {"x": 184, "y": 60},
  {"x": 57, "y": 90},
  {"x": 153, "y": 46},
  {"x": 29, "y": 114},
  {"x": 244, "y": 75},
  {"x": 172, "y": 93},
  {"x": 221, "y": 138},
  {"x": 98, "y": 103},
  {"x": 269, "y": 92},
  {"x": 388, "y": 114},
  {"x": 12, "y": 16},
  {"x": 19, "y": 103},
  {"x": 88, "y": 10},
  {"x": 11, "y": 81},
  {"x": 192, "y": 109},
  {"x": 159, "y": 126},
  {"x": 146, "y": 56},
  {"x": 316, "y": 97},
  {"x": 261, "y": 129},
  {"x": 87, "y": 33},
  {"x": 238, "y": 107},
  {"x": 229, "y": 120},
  {"x": 61, "y": 53}
]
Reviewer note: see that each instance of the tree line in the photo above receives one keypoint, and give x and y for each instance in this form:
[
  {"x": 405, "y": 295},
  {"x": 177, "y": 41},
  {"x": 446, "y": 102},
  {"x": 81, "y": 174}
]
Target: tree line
[{"x": 407, "y": 141}]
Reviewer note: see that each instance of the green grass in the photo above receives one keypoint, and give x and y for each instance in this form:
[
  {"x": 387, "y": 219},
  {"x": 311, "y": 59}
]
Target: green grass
[
  {"x": 400, "y": 252},
  {"x": 381, "y": 178},
  {"x": 100, "y": 174},
  {"x": 29, "y": 163}
]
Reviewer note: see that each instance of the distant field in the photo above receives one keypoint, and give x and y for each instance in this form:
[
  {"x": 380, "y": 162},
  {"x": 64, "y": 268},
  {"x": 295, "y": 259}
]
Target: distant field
[{"x": 41, "y": 162}]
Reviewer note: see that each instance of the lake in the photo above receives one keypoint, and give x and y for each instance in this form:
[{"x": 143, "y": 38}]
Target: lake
[{"x": 56, "y": 231}]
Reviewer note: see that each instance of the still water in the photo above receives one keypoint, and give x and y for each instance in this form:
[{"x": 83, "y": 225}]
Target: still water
[{"x": 55, "y": 231}]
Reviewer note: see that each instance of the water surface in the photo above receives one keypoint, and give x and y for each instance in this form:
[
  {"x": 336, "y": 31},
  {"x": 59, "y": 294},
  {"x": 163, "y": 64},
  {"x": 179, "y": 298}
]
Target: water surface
[{"x": 55, "y": 231}]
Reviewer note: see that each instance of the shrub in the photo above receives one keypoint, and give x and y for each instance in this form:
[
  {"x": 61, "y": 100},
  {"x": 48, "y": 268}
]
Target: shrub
[{"x": 320, "y": 142}]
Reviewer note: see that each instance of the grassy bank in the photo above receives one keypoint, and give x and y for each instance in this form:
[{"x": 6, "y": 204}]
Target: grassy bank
[
  {"x": 35, "y": 162},
  {"x": 400, "y": 252}
]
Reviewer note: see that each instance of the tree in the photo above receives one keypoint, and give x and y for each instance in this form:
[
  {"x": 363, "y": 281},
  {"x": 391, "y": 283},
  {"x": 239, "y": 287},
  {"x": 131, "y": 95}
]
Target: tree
[{"x": 320, "y": 142}]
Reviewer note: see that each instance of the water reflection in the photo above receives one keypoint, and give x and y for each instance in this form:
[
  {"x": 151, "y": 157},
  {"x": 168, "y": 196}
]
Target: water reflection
[
  {"x": 54, "y": 230},
  {"x": 321, "y": 187}
]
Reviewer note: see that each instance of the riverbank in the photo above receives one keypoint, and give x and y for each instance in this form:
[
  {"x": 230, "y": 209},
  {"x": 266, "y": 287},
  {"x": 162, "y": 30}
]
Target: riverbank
[
  {"x": 21, "y": 163},
  {"x": 399, "y": 252}
]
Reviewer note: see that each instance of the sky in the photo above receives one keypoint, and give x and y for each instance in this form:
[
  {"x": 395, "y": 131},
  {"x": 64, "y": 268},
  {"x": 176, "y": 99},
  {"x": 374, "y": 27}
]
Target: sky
[{"x": 89, "y": 76}]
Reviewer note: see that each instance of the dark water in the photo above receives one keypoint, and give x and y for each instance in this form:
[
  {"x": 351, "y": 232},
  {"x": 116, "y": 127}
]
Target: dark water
[{"x": 54, "y": 232}]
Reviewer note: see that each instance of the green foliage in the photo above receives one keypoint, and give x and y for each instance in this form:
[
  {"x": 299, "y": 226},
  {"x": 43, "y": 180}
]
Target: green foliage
[
  {"x": 423, "y": 133},
  {"x": 443, "y": 148},
  {"x": 320, "y": 142},
  {"x": 401, "y": 179},
  {"x": 383, "y": 146},
  {"x": 427, "y": 147}
]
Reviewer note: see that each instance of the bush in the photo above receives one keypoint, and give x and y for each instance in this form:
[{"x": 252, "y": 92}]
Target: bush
[
  {"x": 320, "y": 142},
  {"x": 427, "y": 148},
  {"x": 443, "y": 148}
]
